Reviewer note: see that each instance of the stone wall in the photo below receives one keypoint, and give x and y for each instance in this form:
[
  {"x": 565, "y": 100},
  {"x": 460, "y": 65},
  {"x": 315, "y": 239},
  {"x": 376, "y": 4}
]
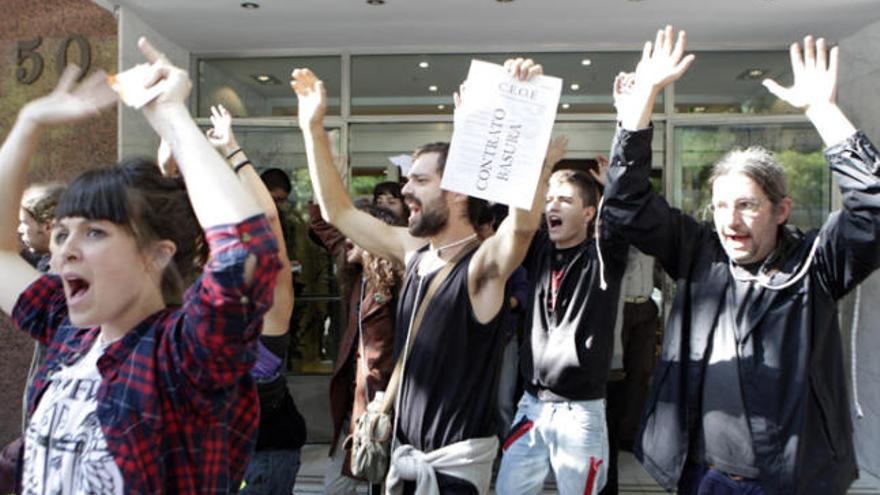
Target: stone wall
[{"x": 63, "y": 152}]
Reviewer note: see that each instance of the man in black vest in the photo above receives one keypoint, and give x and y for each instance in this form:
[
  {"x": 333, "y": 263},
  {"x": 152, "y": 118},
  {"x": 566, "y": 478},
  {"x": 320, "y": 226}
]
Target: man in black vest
[{"x": 446, "y": 397}]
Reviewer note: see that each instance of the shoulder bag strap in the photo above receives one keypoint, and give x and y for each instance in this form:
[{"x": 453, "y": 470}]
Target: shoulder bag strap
[{"x": 416, "y": 323}]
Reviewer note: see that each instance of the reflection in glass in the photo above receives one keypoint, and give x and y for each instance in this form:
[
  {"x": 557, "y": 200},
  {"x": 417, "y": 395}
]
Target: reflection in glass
[
  {"x": 798, "y": 149},
  {"x": 730, "y": 82},
  {"x": 259, "y": 87},
  {"x": 587, "y": 87}
]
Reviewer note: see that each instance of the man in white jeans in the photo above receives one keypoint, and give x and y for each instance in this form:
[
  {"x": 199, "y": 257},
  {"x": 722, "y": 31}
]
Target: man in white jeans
[{"x": 575, "y": 279}]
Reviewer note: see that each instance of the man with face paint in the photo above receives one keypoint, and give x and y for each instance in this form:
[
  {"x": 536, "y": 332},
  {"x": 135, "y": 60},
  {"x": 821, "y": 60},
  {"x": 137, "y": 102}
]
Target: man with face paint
[
  {"x": 749, "y": 395},
  {"x": 445, "y": 404},
  {"x": 574, "y": 279}
]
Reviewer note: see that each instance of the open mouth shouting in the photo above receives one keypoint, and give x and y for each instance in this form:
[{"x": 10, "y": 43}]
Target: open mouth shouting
[
  {"x": 554, "y": 222},
  {"x": 75, "y": 288},
  {"x": 415, "y": 207},
  {"x": 737, "y": 241}
]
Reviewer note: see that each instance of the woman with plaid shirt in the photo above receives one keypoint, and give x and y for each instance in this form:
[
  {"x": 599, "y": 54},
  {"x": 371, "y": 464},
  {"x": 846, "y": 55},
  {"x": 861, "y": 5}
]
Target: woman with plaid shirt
[{"x": 137, "y": 396}]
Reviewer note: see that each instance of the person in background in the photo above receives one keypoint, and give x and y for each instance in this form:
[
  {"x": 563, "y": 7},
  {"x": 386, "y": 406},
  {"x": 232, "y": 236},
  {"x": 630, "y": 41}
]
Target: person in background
[
  {"x": 35, "y": 215},
  {"x": 633, "y": 360},
  {"x": 282, "y": 432},
  {"x": 387, "y": 195},
  {"x": 364, "y": 362}
]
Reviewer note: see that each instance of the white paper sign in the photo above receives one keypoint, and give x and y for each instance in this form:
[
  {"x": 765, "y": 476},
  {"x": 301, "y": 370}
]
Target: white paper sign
[
  {"x": 501, "y": 134},
  {"x": 130, "y": 86}
]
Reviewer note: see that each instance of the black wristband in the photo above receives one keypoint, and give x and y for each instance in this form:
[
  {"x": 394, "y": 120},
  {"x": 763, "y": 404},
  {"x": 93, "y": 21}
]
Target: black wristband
[
  {"x": 241, "y": 165},
  {"x": 233, "y": 153}
]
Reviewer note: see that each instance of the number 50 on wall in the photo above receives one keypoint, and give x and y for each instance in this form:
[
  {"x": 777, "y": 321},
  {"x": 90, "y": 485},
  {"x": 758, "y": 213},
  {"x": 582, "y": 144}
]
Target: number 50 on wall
[{"x": 30, "y": 62}]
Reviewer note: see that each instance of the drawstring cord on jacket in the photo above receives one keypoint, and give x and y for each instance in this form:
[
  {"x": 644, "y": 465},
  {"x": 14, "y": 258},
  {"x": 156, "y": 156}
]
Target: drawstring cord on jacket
[
  {"x": 602, "y": 283},
  {"x": 853, "y": 343}
]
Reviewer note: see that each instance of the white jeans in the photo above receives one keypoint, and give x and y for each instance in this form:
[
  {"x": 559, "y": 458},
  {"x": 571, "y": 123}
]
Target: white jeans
[{"x": 569, "y": 437}]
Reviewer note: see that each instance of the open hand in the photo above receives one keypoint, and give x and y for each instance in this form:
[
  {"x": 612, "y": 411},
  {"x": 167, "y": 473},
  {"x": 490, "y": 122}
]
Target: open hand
[
  {"x": 601, "y": 175},
  {"x": 556, "y": 150},
  {"x": 312, "y": 97},
  {"x": 166, "y": 161},
  {"x": 220, "y": 136},
  {"x": 69, "y": 103},
  {"x": 174, "y": 80},
  {"x": 662, "y": 62},
  {"x": 523, "y": 68},
  {"x": 815, "y": 75}
]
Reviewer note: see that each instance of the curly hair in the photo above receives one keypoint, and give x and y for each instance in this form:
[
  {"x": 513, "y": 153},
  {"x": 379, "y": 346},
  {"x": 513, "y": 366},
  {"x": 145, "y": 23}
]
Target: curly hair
[{"x": 381, "y": 274}]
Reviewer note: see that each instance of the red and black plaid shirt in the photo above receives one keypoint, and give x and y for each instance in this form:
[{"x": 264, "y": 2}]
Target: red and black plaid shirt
[{"x": 176, "y": 403}]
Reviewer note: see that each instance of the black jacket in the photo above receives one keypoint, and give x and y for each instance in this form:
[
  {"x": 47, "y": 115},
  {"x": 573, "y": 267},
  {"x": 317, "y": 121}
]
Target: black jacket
[
  {"x": 790, "y": 356},
  {"x": 567, "y": 352}
]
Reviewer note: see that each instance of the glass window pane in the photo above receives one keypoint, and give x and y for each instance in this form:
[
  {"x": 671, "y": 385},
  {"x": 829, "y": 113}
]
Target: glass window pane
[
  {"x": 588, "y": 139},
  {"x": 259, "y": 87},
  {"x": 798, "y": 149},
  {"x": 424, "y": 84},
  {"x": 730, "y": 82},
  {"x": 371, "y": 145}
]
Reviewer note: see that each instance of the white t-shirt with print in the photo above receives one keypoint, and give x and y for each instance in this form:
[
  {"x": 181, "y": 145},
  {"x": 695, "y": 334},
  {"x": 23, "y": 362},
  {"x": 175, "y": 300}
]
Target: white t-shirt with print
[{"x": 65, "y": 449}]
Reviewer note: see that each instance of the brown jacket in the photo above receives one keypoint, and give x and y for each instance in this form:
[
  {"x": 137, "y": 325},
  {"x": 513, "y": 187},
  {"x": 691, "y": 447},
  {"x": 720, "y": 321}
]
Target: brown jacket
[{"x": 377, "y": 320}]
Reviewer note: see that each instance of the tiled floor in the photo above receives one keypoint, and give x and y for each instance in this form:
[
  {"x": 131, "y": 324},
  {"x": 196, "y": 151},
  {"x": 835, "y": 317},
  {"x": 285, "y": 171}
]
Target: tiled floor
[{"x": 633, "y": 478}]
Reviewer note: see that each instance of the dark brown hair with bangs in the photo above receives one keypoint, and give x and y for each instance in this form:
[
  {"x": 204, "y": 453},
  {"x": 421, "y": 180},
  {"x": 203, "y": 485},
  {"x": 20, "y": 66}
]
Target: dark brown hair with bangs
[{"x": 135, "y": 195}]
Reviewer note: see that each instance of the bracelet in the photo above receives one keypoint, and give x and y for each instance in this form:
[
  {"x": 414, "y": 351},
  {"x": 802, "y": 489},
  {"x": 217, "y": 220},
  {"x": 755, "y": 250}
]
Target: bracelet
[
  {"x": 241, "y": 165},
  {"x": 233, "y": 153}
]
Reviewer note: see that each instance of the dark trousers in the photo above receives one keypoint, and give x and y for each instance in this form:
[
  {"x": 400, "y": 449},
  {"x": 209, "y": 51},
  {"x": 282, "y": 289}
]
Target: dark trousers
[
  {"x": 448, "y": 486},
  {"x": 702, "y": 480},
  {"x": 10, "y": 465},
  {"x": 615, "y": 405},
  {"x": 639, "y": 338}
]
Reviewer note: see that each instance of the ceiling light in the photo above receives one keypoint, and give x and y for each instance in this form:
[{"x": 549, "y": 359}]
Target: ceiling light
[
  {"x": 575, "y": 86},
  {"x": 375, "y": 2},
  {"x": 751, "y": 73},
  {"x": 566, "y": 106},
  {"x": 586, "y": 62},
  {"x": 423, "y": 64},
  {"x": 432, "y": 88},
  {"x": 267, "y": 79},
  {"x": 441, "y": 107},
  {"x": 250, "y": 5}
]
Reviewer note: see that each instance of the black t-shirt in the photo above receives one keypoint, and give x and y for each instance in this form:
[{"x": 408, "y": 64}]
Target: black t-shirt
[
  {"x": 727, "y": 438},
  {"x": 282, "y": 427},
  {"x": 450, "y": 378}
]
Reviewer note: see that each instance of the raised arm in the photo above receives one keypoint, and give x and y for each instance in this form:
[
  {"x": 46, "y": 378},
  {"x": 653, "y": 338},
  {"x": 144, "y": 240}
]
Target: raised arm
[
  {"x": 276, "y": 321},
  {"x": 372, "y": 234},
  {"x": 849, "y": 249},
  {"x": 630, "y": 207},
  {"x": 66, "y": 104},
  {"x": 206, "y": 174},
  {"x": 499, "y": 255},
  {"x": 662, "y": 63},
  {"x": 815, "y": 89}
]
